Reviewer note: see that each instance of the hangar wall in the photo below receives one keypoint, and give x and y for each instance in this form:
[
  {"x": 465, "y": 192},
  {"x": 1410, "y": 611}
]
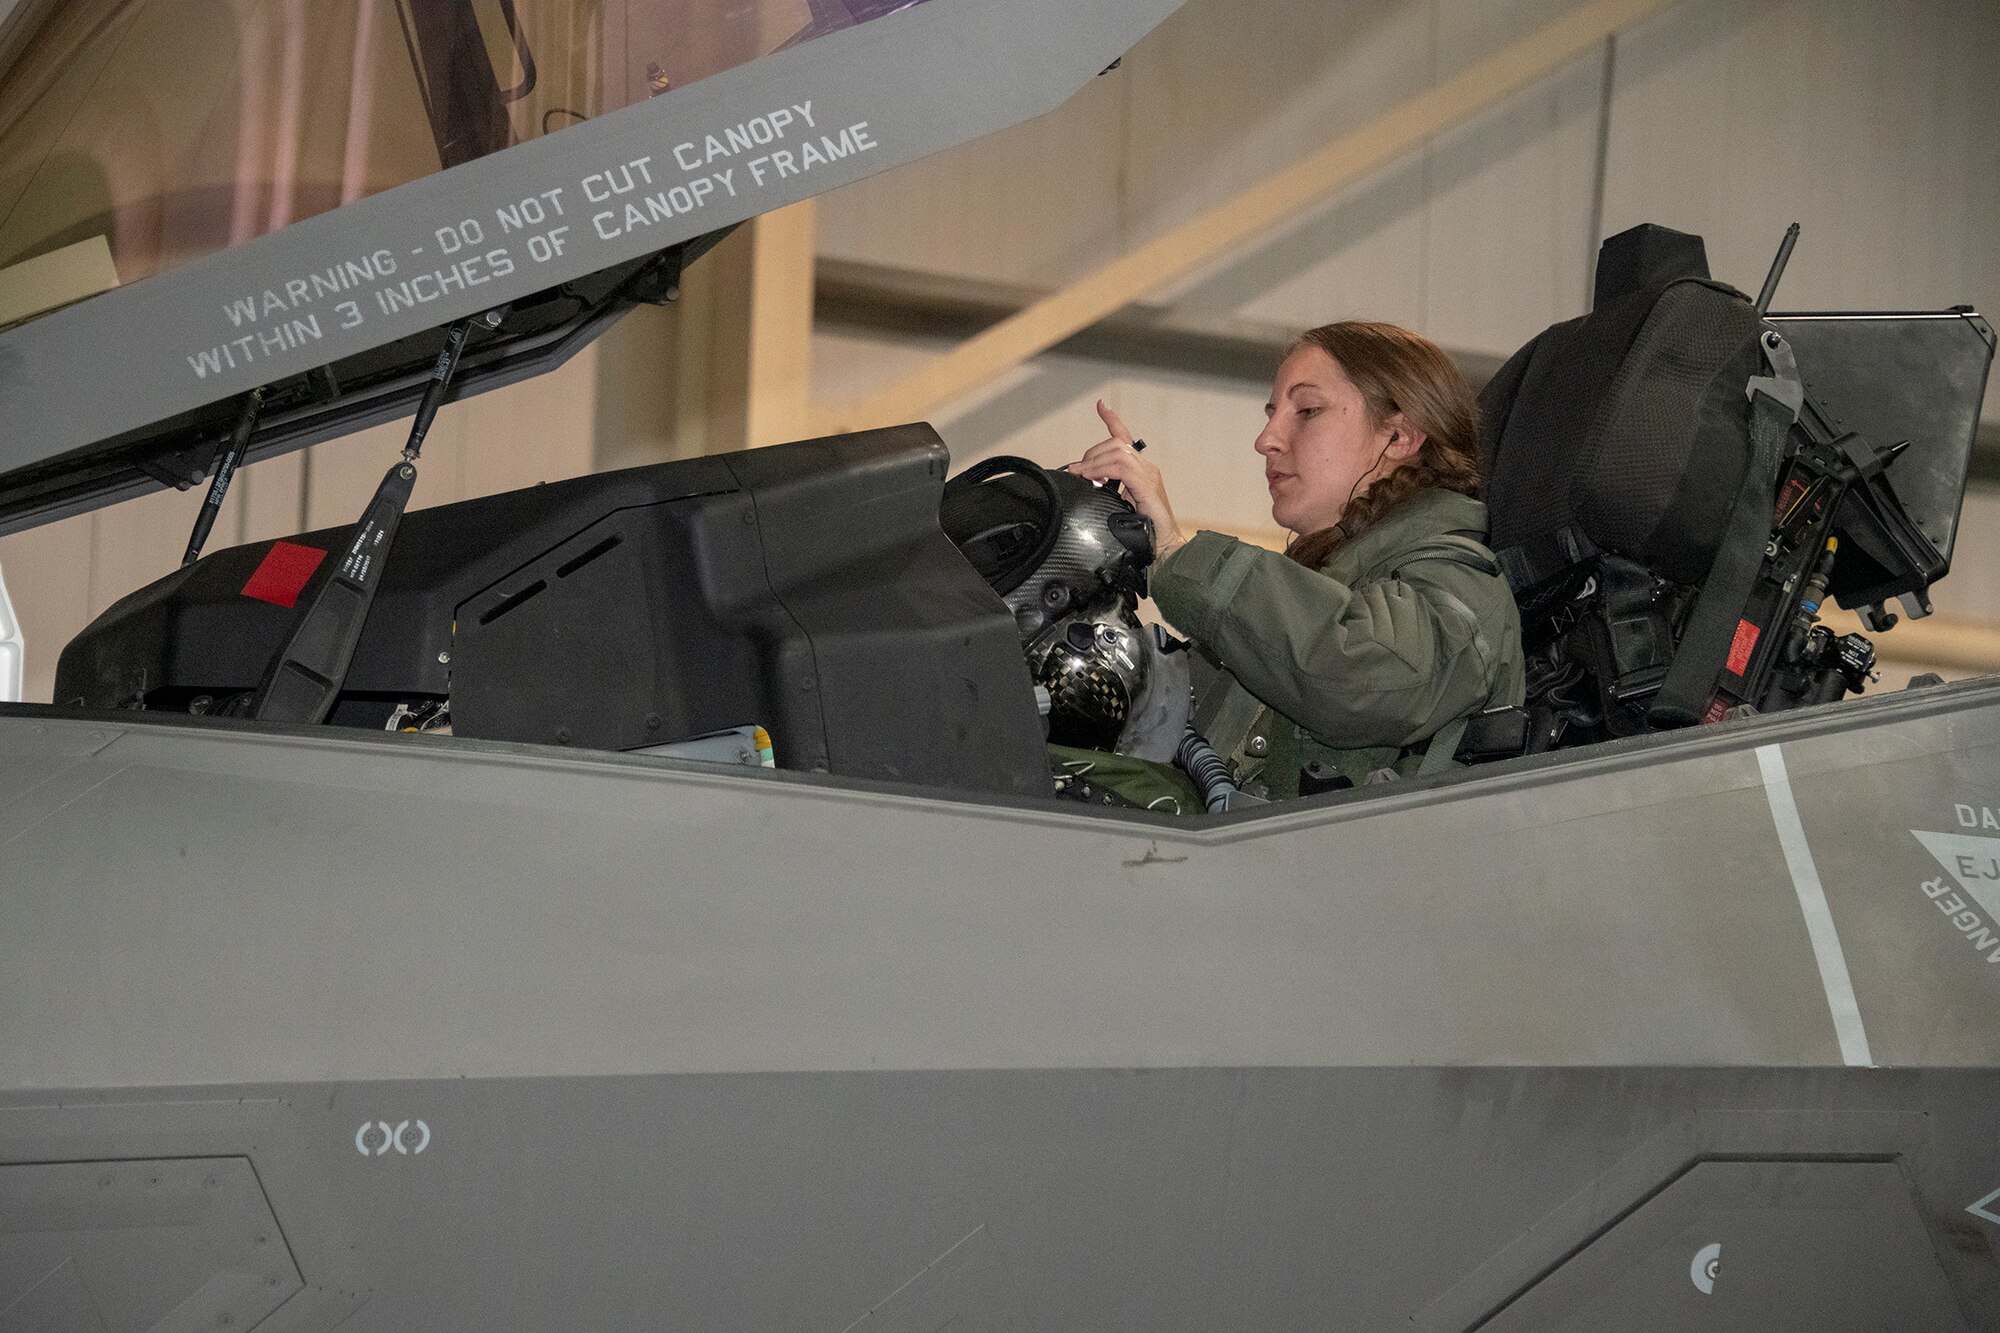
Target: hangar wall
[{"x": 1871, "y": 124}]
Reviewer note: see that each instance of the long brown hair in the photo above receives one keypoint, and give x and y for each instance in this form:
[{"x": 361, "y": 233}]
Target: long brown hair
[{"x": 1397, "y": 371}]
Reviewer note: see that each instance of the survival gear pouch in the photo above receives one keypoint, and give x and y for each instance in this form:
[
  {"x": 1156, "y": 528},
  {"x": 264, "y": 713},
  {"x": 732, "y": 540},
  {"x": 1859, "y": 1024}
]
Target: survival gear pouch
[{"x": 1663, "y": 499}]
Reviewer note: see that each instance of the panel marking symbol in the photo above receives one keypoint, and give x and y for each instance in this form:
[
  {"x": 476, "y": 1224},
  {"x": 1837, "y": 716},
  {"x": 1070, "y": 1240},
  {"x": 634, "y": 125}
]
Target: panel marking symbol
[
  {"x": 1972, "y": 859},
  {"x": 1707, "y": 1263},
  {"x": 1979, "y": 1208},
  {"x": 391, "y": 1137},
  {"x": 1973, "y": 862}
]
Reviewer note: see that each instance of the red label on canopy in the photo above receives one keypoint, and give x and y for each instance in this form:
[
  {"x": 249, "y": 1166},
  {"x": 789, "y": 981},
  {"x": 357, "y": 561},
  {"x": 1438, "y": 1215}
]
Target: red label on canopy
[{"x": 283, "y": 573}]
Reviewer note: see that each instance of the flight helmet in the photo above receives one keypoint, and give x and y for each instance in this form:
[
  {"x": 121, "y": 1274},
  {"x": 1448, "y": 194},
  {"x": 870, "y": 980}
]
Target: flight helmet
[{"x": 1069, "y": 559}]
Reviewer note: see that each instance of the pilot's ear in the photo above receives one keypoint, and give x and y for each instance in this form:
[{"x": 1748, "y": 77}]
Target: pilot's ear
[{"x": 1403, "y": 439}]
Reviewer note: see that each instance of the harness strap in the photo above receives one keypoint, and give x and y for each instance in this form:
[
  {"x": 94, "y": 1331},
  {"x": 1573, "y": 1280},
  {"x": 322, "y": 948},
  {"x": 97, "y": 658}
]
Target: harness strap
[
  {"x": 1698, "y": 659},
  {"x": 1443, "y": 748},
  {"x": 1539, "y": 559}
]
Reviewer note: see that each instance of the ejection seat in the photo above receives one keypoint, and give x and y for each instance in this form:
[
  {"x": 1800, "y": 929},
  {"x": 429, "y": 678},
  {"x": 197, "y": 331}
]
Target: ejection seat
[{"x": 1677, "y": 480}]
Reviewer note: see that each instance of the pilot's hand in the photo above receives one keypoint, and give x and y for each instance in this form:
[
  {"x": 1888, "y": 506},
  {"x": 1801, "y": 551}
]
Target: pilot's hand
[{"x": 1114, "y": 459}]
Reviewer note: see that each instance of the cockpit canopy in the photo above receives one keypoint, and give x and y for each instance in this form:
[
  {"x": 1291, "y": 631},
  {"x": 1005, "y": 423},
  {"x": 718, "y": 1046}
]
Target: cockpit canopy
[
  {"x": 202, "y": 199},
  {"x": 139, "y": 135}
]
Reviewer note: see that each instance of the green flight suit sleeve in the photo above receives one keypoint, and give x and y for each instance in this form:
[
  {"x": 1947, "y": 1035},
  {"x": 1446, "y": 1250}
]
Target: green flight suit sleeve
[{"x": 1384, "y": 663}]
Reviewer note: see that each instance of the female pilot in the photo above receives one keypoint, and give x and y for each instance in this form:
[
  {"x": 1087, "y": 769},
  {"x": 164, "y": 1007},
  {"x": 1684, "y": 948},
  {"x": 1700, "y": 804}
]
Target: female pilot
[{"x": 1386, "y": 622}]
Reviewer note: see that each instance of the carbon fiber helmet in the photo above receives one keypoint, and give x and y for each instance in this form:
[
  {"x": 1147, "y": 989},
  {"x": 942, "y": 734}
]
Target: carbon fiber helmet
[{"x": 1069, "y": 558}]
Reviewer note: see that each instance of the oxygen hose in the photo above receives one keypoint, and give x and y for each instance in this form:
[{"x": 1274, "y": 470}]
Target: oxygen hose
[{"x": 1210, "y": 771}]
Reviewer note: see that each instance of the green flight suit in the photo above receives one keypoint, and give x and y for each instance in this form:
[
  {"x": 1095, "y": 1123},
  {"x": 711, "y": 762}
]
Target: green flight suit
[{"x": 1352, "y": 668}]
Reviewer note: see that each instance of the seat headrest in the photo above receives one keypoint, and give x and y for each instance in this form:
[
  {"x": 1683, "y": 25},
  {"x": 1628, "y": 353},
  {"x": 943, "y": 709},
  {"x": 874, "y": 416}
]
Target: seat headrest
[{"x": 1646, "y": 257}]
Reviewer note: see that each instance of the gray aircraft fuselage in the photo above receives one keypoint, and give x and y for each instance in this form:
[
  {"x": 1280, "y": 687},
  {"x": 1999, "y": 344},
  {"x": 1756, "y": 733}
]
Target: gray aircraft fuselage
[{"x": 415, "y": 1032}]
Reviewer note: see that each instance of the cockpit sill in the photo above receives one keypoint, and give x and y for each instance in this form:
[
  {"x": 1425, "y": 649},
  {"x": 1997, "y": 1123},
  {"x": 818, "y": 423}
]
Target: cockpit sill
[{"x": 1858, "y": 716}]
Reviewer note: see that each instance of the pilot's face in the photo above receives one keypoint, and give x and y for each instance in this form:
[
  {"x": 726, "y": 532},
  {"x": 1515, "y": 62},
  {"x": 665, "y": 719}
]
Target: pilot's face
[{"x": 1318, "y": 445}]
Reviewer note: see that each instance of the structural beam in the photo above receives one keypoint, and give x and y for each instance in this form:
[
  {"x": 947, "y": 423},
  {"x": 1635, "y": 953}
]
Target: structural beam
[
  {"x": 905, "y": 303},
  {"x": 743, "y": 345},
  {"x": 779, "y": 370},
  {"x": 1276, "y": 201}
]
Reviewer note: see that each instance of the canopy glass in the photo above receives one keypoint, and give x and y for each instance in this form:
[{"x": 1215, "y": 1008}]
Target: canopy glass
[{"x": 157, "y": 131}]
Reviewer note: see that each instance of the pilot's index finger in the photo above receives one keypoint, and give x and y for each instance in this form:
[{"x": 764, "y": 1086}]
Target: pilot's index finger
[{"x": 1112, "y": 423}]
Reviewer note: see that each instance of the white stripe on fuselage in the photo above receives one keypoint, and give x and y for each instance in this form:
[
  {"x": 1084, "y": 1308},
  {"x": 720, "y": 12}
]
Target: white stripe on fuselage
[{"x": 1812, "y": 901}]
